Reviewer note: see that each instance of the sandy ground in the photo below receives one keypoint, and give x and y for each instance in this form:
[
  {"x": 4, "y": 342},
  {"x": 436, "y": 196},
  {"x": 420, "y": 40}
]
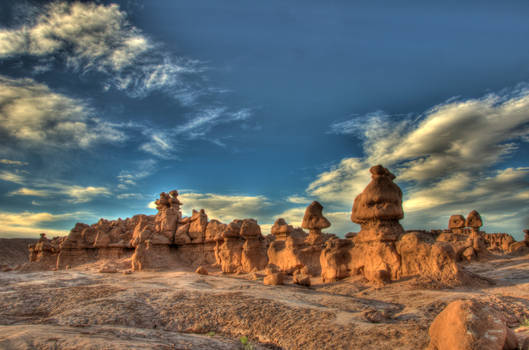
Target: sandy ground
[{"x": 84, "y": 309}]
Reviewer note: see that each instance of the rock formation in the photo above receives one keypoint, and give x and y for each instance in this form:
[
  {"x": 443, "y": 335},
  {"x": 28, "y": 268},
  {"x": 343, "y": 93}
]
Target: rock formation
[
  {"x": 314, "y": 221},
  {"x": 292, "y": 248},
  {"x": 378, "y": 208},
  {"x": 474, "y": 220},
  {"x": 456, "y": 223},
  {"x": 382, "y": 251},
  {"x": 241, "y": 247},
  {"x": 468, "y": 325}
]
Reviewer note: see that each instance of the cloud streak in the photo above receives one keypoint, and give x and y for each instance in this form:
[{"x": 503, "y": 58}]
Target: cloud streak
[{"x": 30, "y": 224}]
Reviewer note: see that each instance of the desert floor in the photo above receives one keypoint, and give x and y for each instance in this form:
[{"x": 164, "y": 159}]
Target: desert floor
[{"x": 83, "y": 309}]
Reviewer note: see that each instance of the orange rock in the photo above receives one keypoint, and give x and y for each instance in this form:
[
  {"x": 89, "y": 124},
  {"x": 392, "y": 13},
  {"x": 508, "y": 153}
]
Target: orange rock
[
  {"x": 273, "y": 279},
  {"x": 474, "y": 220},
  {"x": 456, "y": 223},
  {"x": 201, "y": 270},
  {"x": 469, "y": 325},
  {"x": 314, "y": 220}
]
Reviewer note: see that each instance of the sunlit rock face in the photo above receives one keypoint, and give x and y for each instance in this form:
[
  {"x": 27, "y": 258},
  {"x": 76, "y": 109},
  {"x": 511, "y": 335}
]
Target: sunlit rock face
[
  {"x": 456, "y": 223},
  {"x": 314, "y": 221},
  {"x": 378, "y": 208},
  {"x": 168, "y": 216},
  {"x": 293, "y": 249},
  {"x": 474, "y": 220}
]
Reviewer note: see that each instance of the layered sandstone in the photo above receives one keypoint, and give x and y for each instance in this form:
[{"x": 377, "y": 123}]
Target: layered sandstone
[{"x": 293, "y": 249}]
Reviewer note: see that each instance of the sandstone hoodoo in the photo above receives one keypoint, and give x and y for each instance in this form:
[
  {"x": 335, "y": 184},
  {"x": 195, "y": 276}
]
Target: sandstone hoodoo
[
  {"x": 456, "y": 223},
  {"x": 314, "y": 221},
  {"x": 474, "y": 220}
]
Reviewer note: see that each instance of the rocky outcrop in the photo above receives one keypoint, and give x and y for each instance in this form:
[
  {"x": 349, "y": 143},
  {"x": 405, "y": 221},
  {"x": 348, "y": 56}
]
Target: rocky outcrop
[
  {"x": 241, "y": 247},
  {"x": 468, "y": 325},
  {"x": 335, "y": 259},
  {"x": 382, "y": 251},
  {"x": 293, "y": 249},
  {"x": 43, "y": 254},
  {"x": 456, "y": 223}
]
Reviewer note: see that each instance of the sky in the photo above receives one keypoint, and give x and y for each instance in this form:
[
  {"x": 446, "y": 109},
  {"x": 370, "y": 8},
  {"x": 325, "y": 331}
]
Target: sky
[{"x": 253, "y": 109}]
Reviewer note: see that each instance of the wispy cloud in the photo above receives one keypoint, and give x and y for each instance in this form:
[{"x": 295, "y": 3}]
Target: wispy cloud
[
  {"x": 161, "y": 144},
  {"x": 93, "y": 37},
  {"x": 12, "y": 162},
  {"x": 75, "y": 194},
  {"x": 298, "y": 200},
  {"x": 30, "y": 224},
  {"x": 35, "y": 116},
  {"x": 203, "y": 121},
  {"x": 224, "y": 207},
  {"x": 142, "y": 170},
  {"x": 447, "y": 159},
  {"x": 11, "y": 177}
]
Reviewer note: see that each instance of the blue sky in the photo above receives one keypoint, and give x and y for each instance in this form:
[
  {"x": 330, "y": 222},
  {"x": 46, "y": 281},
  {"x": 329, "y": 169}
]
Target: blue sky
[{"x": 254, "y": 109}]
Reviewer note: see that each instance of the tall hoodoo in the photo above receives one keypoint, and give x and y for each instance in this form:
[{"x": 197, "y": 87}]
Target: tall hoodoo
[
  {"x": 166, "y": 220},
  {"x": 378, "y": 208}
]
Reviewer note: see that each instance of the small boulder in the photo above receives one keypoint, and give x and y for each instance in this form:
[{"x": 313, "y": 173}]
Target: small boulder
[
  {"x": 201, "y": 270},
  {"x": 469, "y": 325},
  {"x": 274, "y": 279}
]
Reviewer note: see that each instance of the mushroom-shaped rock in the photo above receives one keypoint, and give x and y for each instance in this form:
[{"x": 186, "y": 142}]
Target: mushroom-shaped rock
[
  {"x": 379, "y": 207},
  {"x": 456, "y": 222},
  {"x": 314, "y": 219},
  {"x": 468, "y": 325},
  {"x": 474, "y": 220}
]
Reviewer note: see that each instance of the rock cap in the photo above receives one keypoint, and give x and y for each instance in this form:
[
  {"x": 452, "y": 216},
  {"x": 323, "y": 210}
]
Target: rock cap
[{"x": 314, "y": 218}]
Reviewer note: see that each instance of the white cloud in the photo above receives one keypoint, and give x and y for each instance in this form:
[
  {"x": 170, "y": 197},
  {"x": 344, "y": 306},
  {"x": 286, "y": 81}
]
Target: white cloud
[
  {"x": 95, "y": 37},
  {"x": 13, "y": 162},
  {"x": 80, "y": 194},
  {"x": 28, "y": 224},
  {"x": 161, "y": 144},
  {"x": 11, "y": 177},
  {"x": 202, "y": 123},
  {"x": 298, "y": 200},
  {"x": 447, "y": 160},
  {"x": 36, "y": 116},
  {"x": 23, "y": 191},
  {"x": 224, "y": 207},
  {"x": 144, "y": 169},
  {"x": 76, "y": 194}
]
